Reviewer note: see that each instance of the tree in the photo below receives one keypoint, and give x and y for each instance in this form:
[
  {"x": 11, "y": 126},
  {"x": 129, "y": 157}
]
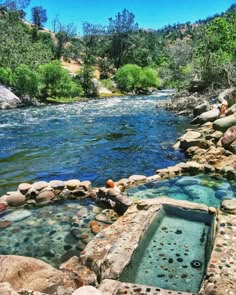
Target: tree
[
  {"x": 39, "y": 16},
  {"x": 64, "y": 33},
  {"x": 15, "y": 5},
  {"x": 120, "y": 29}
]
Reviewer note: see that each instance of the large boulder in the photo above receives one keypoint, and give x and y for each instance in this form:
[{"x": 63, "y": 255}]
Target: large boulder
[
  {"x": 30, "y": 273},
  {"x": 224, "y": 123},
  {"x": 8, "y": 99},
  {"x": 209, "y": 116}
]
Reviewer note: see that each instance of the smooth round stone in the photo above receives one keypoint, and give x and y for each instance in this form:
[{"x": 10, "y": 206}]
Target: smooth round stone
[
  {"x": 87, "y": 290},
  {"x": 24, "y": 188},
  {"x": 72, "y": 184},
  {"x": 15, "y": 199},
  {"x": 212, "y": 210},
  {"x": 86, "y": 185},
  {"x": 39, "y": 185},
  {"x": 45, "y": 196},
  {"x": 57, "y": 184}
]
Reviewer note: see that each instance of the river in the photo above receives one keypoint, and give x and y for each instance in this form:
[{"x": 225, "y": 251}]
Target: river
[{"x": 95, "y": 140}]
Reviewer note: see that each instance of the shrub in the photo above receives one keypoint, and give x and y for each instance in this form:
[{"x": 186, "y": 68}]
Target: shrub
[
  {"x": 134, "y": 78},
  {"x": 6, "y": 76},
  {"x": 26, "y": 81},
  {"x": 57, "y": 81}
]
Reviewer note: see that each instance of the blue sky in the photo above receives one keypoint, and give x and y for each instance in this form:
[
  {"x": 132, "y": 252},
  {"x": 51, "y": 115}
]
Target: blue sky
[{"x": 148, "y": 13}]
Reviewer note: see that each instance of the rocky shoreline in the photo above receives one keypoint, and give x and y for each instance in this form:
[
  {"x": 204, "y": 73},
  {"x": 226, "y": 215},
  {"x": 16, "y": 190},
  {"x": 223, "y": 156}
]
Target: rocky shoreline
[{"x": 211, "y": 147}]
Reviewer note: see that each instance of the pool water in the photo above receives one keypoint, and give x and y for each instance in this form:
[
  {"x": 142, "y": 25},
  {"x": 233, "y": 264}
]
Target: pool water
[
  {"x": 210, "y": 190},
  {"x": 52, "y": 233},
  {"x": 173, "y": 252}
]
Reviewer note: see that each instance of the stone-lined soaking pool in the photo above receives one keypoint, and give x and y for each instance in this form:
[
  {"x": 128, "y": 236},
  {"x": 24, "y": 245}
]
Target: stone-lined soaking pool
[
  {"x": 173, "y": 252},
  {"x": 95, "y": 140},
  {"x": 52, "y": 233},
  {"x": 210, "y": 190}
]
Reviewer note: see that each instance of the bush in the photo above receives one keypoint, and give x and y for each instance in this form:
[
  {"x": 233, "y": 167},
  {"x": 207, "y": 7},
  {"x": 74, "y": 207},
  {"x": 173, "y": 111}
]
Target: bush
[
  {"x": 6, "y": 76},
  {"x": 57, "y": 81},
  {"x": 134, "y": 78},
  {"x": 26, "y": 81}
]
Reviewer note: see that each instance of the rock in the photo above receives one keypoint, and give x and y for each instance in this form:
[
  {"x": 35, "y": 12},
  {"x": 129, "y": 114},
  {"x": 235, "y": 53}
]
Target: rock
[
  {"x": 4, "y": 224},
  {"x": 39, "y": 185},
  {"x": 87, "y": 290},
  {"x": 45, "y": 196},
  {"x": 57, "y": 184},
  {"x": 8, "y": 99},
  {"x": 110, "y": 183},
  {"x": 229, "y": 95},
  {"x": 201, "y": 143},
  {"x": 3, "y": 206},
  {"x": 137, "y": 178},
  {"x": 224, "y": 123},
  {"x": 199, "y": 109},
  {"x": 32, "y": 193},
  {"x": 16, "y": 215},
  {"x": 6, "y": 289},
  {"x": 33, "y": 274},
  {"x": 83, "y": 275},
  {"x": 24, "y": 188},
  {"x": 86, "y": 185},
  {"x": 229, "y": 137},
  {"x": 231, "y": 110},
  {"x": 191, "y": 135},
  {"x": 15, "y": 199},
  {"x": 72, "y": 184},
  {"x": 232, "y": 147},
  {"x": 229, "y": 206},
  {"x": 212, "y": 210},
  {"x": 209, "y": 116}
]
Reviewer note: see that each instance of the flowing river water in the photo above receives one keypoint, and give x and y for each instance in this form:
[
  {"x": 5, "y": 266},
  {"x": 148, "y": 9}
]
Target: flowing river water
[{"x": 95, "y": 140}]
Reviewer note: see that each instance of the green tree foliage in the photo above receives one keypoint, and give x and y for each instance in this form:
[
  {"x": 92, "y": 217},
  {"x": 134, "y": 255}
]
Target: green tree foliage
[
  {"x": 215, "y": 59},
  {"x": 57, "y": 82},
  {"x": 39, "y": 16},
  {"x": 120, "y": 29},
  {"x": 134, "y": 78},
  {"x": 16, "y": 44},
  {"x": 6, "y": 76},
  {"x": 26, "y": 81}
]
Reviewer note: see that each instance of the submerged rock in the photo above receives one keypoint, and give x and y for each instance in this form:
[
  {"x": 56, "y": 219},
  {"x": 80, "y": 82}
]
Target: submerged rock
[{"x": 17, "y": 215}]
